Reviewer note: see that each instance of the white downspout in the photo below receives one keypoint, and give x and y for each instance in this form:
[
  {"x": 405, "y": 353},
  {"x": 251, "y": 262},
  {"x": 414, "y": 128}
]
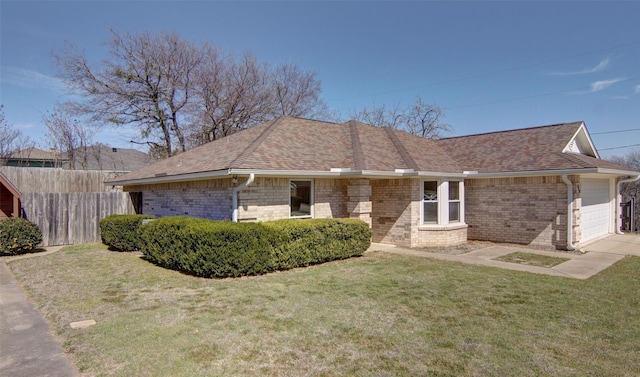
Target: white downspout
[
  {"x": 567, "y": 181},
  {"x": 234, "y": 197},
  {"x": 619, "y": 201}
]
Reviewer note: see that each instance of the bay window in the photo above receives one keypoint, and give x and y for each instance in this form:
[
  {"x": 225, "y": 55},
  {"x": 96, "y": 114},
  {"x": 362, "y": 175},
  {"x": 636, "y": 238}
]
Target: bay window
[{"x": 442, "y": 202}]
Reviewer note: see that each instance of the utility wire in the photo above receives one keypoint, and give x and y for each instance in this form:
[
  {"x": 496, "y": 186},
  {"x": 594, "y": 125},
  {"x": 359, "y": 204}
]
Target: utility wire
[
  {"x": 492, "y": 73},
  {"x": 577, "y": 91},
  {"x": 626, "y": 146},
  {"x": 614, "y": 132}
]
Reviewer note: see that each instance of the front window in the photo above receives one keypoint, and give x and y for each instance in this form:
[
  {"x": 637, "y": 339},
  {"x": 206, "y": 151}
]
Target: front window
[
  {"x": 300, "y": 202},
  {"x": 442, "y": 202},
  {"x": 454, "y": 201},
  {"x": 430, "y": 202}
]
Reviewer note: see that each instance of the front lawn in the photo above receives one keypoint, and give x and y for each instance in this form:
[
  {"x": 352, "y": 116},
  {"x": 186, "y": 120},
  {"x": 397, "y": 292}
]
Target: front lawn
[{"x": 377, "y": 315}]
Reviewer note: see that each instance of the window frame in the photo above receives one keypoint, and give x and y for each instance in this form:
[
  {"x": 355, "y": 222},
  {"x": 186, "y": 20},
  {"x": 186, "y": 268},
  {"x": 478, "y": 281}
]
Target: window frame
[
  {"x": 311, "y": 199},
  {"x": 443, "y": 202}
]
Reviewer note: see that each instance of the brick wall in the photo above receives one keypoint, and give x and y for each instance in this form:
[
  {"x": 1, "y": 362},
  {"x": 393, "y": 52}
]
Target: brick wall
[
  {"x": 330, "y": 198},
  {"x": 433, "y": 236},
  {"x": 393, "y": 212},
  {"x": 266, "y": 199},
  {"x": 210, "y": 199},
  {"x": 525, "y": 210}
]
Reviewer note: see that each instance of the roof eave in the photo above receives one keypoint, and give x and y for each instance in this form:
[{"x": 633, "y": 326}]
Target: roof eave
[
  {"x": 532, "y": 173},
  {"x": 336, "y": 173},
  {"x": 170, "y": 178}
]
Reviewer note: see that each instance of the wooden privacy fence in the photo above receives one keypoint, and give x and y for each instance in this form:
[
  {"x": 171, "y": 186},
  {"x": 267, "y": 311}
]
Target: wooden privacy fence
[{"x": 73, "y": 218}]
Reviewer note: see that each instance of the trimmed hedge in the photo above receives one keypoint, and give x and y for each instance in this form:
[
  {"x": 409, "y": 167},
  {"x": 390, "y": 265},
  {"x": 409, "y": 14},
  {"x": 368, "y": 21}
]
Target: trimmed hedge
[
  {"x": 221, "y": 249},
  {"x": 209, "y": 248},
  {"x": 312, "y": 241},
  {"x": 18, "y": 236},
  {"x": 121, "y": 232}
]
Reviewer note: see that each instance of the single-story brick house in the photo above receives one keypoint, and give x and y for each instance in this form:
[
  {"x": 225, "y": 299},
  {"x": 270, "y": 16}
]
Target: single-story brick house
[{"x": 511, "y": 186}]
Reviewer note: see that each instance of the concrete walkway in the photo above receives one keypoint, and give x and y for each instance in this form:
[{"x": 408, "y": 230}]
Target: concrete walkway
[
  {"x": 599, "y": 255},
  {"x": 27, "y": 347}
]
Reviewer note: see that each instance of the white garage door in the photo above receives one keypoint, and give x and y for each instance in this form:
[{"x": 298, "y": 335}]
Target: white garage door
[{"x": 596, "y": 209}]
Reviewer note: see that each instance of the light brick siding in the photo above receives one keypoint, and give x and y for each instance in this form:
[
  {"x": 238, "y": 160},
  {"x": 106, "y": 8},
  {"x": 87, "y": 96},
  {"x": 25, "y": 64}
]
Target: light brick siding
[
  {"x": 525, "y": 210},
  {"x": 330, "y": 198},
  {"x": 266, "y": 199},
  {"x": 450, "y": 235},
  {"x": 392, "y": 206},
  {"x": 210, "y": 199},
  {"x": 396, "y": 217}
]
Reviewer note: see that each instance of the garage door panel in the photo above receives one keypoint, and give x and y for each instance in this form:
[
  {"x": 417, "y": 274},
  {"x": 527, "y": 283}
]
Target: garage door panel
[{"x": 595, "y": 211}]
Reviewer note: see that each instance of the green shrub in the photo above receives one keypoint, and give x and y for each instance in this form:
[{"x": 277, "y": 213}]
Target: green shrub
[
  {"x": 210, "y": 248},
  {"x": 220, "y": 249},
  {"x": 122, "y": 232},
  {"x": 18, "y": 236},
  {"x": 312, "y": 241}
]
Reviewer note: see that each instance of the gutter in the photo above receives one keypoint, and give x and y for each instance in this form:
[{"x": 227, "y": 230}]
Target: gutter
[
  {"x": 567, "y": 181},
  {"x": 234, "y": 197},
  {"x": 619, "y": 200}
]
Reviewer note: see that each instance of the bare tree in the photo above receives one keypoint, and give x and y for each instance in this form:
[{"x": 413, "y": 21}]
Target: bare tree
[
  {"x": 296, "y": 92},
  {"x": 631, "y": 189},
  {"x": 146, "y": 82},
  {"x": 381, "y": 116},
  {"x": 11, "y": 139},
  {"x": 179, "y": 95},
  {"x": 69, "y": 137},
  {"x": 419, "y": 118},
  {"x": 8, "y": 136}
]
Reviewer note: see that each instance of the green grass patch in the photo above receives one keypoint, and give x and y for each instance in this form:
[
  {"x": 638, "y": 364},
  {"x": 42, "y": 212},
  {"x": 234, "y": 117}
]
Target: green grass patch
[
  {"x": 531, "y": 259},
  {"x": 380, "y": 314}
]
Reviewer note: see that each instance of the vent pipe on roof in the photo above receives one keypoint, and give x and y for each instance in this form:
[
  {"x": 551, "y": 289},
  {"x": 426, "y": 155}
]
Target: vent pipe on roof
[
  {"x": 619, "y": 200},
  {"x": 567, "y": 181},
  {"x": 234, "y": 197}
]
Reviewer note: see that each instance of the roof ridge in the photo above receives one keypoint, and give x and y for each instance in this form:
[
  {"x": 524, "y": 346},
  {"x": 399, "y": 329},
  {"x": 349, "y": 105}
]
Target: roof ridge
[
  {"x": 254, "y": 144},
  {"x": 358, "y": 154},
  {"x": 512, "y": 130},
  {"x": 404, "y": 154}
]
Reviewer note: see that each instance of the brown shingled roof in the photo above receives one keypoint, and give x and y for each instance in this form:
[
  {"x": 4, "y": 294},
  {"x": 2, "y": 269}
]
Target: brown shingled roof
[
  {"x": 311, "y": 146},
  {"x": 527, "y": 149},
  {"x": 295, "y": 144}
]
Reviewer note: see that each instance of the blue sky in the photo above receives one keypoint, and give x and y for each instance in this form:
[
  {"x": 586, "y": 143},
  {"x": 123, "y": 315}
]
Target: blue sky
[{"x": 490, "y": 65}]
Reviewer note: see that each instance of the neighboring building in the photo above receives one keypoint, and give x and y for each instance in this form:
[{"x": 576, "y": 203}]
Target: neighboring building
[
  {"x": 102, "y": 157},
  {"x": 513, "y": 186},
  {"x": 36, "y": 158},
  {"x": 10, "y": 199},
  {"x": 94, "y": 157}
]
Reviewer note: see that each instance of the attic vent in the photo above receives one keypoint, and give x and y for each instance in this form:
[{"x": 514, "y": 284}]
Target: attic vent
[{"x": 114, "y": 150}]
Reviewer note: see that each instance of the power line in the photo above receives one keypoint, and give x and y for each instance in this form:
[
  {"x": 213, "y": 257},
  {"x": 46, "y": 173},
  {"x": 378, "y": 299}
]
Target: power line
[
  {"x": 576, "y": 90},
  {"x": 626, "y": 146},
  {"x": 615, "y": 132},
  {"x": 492, "y": 73}
]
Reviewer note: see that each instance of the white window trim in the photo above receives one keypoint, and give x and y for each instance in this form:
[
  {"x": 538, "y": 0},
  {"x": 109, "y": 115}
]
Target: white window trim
[
  {"x": 311, "y": 199},
  {"x": 443, "y": 204},
  {"x": 437, "y": 201}
]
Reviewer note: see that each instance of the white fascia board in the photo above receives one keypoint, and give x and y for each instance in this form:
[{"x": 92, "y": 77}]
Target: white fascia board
[
  {"x": 281, "y": 173},
  {"x": 342, "y": 173},
  {"x": 170, "y": 178},
  {"x": 531, "y": 173},
  {"x": 618, "y": 172},
  {"x": 614, "y": 172}
]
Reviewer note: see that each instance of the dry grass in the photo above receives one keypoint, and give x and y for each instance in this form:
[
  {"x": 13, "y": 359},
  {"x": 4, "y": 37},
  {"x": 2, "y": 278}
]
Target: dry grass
[
  {"x": 378, "y": 315},
  {"x": 532, "y": 259}
]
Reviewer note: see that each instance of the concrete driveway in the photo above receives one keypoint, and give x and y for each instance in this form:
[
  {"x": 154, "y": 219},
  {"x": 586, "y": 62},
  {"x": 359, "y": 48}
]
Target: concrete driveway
[
  {"x": 598, "y": 256},
  {"x": 625, "y": 244}
]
